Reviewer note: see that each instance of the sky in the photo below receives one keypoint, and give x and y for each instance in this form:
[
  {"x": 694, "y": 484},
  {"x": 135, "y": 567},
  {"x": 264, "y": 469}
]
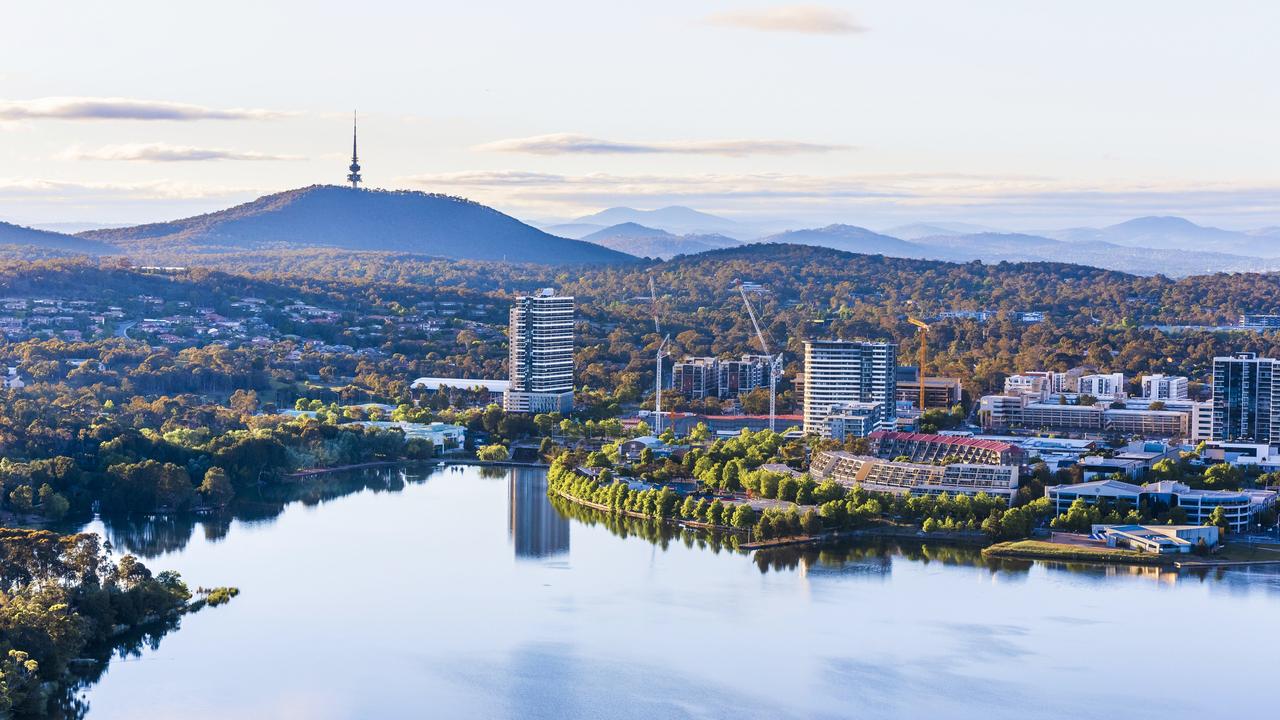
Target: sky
[{"x": 1012, "y": 114}]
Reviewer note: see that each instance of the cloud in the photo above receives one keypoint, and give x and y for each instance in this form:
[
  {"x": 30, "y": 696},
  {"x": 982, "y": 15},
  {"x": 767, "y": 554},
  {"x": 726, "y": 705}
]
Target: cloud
[
  {"x": 569, "y": 144},
  {"x": 110, "y": 108},
  {"x": 162, "y": 152},
  {"x": 35, "y": 189},
  {"x": 807, "y": 19}
]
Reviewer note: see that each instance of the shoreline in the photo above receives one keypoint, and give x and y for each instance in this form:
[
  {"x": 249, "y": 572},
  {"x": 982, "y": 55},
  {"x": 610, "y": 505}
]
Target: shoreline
[{"x": 877, "y": 531}]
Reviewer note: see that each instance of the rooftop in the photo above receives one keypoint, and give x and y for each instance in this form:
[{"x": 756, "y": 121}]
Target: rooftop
[{"x": 993, "y": 445}]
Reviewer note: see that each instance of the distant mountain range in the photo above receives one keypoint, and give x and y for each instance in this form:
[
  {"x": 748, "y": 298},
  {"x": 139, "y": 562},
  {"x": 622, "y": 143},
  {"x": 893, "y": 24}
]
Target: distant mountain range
[
  {"x": 370, "y": 220},
  {"x": 675, "y": 219},
  {"x": 1172, "y": 233},
  {"x": 644, "y": 241},
  {"x": 441, "y": 226},
  {"x": 45, "y": 240},
  {"x": 919, "y": 230},
  {"x": 1014, "y": 247}
]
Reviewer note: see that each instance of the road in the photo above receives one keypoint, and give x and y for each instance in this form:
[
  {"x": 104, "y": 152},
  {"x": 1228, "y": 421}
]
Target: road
[{"x": 122, "y": 330}]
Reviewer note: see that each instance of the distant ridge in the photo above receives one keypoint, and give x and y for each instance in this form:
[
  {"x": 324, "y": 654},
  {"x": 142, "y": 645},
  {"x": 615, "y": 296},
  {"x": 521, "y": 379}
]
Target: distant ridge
[
  {"x": 19, "y": 235},
  {"x": 651, "y": 242},
  {"x": 366, "y": 220},
  {"x": 674, "y": 219},
  {"x": 1171, "y": 233},
  {"x": 851, "y": 238}
]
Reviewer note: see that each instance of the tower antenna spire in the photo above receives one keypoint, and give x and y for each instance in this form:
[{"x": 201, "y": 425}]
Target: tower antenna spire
[{"x": 353, "y": 177}]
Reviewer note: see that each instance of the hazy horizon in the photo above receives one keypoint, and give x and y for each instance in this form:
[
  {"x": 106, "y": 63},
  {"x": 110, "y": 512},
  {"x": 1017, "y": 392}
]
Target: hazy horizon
[{"x": 876, "y": 114}]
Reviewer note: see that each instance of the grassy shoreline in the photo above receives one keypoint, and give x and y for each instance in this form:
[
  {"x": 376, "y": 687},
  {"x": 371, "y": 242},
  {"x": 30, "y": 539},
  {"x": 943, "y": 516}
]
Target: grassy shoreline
[{"x": 1041, "y": 550}]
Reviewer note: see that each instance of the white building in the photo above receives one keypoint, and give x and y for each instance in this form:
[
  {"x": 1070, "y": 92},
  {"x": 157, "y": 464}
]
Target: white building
[
  {"x": 1108, "y": 386},
  {"x": 839, "y": 372},
  {"x": 541, "y": 356},
  {"x": 858, "y": 419},
  {"x": 1239, "y": 506},
  {"x": 1157, "y": 539},
  {"x": 1164, "y": 387},
  {"x": 1032, "y": 384}
]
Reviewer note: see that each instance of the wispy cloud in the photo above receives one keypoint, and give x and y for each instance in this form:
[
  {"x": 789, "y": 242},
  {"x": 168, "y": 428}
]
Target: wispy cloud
[
  {"x": 36, "y": 189},
  {"x": 570, "y": 144},
  {"x": 163, "y": 152},
  {"x": 114, "y": 108},
  {"x": 807, "y": 19}
]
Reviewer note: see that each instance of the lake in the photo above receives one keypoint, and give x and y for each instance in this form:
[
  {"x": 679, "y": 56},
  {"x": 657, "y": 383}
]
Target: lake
[{"x": 465, "y": 593}]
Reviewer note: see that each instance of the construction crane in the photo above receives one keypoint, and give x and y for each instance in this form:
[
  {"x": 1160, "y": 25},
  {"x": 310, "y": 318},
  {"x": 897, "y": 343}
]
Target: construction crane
[
  {"x": 662, "y": 346},
  {"x": 923, "y": 332},
  {"x": 774, "y": 362}
]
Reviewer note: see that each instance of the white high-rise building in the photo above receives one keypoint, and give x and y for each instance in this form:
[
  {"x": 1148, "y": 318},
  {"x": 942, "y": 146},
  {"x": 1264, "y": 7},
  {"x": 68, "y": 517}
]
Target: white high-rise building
[
  {"x": 541, "y": 357},
  {"x": 839, "y": 373},
  {"x": 1164, "y": 387}
]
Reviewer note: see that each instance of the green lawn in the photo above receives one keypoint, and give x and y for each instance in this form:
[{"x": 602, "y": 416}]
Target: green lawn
[{"x": 1040, "y": 550}]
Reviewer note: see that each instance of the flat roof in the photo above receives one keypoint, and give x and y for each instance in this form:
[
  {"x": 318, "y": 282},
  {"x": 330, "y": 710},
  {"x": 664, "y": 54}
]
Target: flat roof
[
  {"x": 995, "y": 445},
  {"x": 435, "y": 383}
]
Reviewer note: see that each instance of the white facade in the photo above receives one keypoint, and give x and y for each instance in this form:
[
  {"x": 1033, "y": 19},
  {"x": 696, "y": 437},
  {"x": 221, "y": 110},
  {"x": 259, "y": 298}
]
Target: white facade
[
  {"x": 1164, "y": 387},
  {"x": 1108, "y": 386},
  {"x": 541, "y": 354},
  {"x": 839, "y": 372},
  {"x": 1034, "y": 384}
]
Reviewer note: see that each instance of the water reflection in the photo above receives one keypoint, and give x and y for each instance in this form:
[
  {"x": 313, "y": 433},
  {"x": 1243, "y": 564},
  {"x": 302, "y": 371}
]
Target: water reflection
[
  {"x": 672, "y": 622},
  {"x": 149, "y": 536},
  {"x": 536, "y": 529}
]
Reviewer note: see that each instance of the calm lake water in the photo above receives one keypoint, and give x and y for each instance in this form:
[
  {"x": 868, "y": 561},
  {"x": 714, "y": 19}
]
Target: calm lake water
[{"x": 458, "y": 594}]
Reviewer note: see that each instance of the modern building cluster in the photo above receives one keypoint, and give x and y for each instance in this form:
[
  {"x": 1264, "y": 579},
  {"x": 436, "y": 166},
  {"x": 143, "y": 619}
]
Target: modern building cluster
[
  {"x": 703, "y": 377},
  {"x": 1082, "y": 402}
]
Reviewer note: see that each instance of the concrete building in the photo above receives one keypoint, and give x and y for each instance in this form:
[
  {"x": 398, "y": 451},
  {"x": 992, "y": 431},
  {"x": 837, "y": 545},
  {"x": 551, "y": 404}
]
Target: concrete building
[
  {"x": 1009, "y": 412},
  {"x": 939, "y": 392},
  {"x": 1164, "y": 387},
  {"x": 695, "y": 377},
  {"x": 935, "y": 448},
  {"x": 741, "y": 376},
  {"x": 855, "y": 419},
  {"x": 541, "y": 355},
  {"x": 1109, "y": 386},
  {"x": 1032, "y": 384},
  {"x": 1239, "y": 506},
  {"x": 878, "y": 475},
  {"x": 1245, "y": 399},
  {"x": 839, "y": 372}
]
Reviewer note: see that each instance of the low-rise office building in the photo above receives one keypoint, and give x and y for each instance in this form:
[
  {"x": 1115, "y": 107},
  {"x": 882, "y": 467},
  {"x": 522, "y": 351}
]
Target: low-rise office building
[
  {"x": 1158, "y": 539},
  {"x": 879, "y": 475},
  {"x": 1239, "y": 506},
  {"x": 1012, "y": 412}
]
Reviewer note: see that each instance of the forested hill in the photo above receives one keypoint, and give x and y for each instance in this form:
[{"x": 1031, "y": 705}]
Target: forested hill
[
  {"x": 337, "y": 217},
  {"x": 42, "y": 241}
]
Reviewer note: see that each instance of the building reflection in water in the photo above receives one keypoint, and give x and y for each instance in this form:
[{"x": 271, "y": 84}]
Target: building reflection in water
[{"x": 536, "y": 529}]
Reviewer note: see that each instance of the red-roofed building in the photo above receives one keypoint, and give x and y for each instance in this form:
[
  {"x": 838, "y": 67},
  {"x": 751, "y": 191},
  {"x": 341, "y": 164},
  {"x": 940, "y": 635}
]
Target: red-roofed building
[{"x": 924, "y": 448}]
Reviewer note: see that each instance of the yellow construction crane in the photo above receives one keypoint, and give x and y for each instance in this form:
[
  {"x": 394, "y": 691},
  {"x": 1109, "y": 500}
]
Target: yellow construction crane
[{"x": 924, "y": 337}]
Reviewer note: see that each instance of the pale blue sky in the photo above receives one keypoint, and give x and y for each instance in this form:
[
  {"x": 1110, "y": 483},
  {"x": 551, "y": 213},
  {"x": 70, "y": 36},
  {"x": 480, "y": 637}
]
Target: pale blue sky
[{"x": 1019, "y": 114}]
